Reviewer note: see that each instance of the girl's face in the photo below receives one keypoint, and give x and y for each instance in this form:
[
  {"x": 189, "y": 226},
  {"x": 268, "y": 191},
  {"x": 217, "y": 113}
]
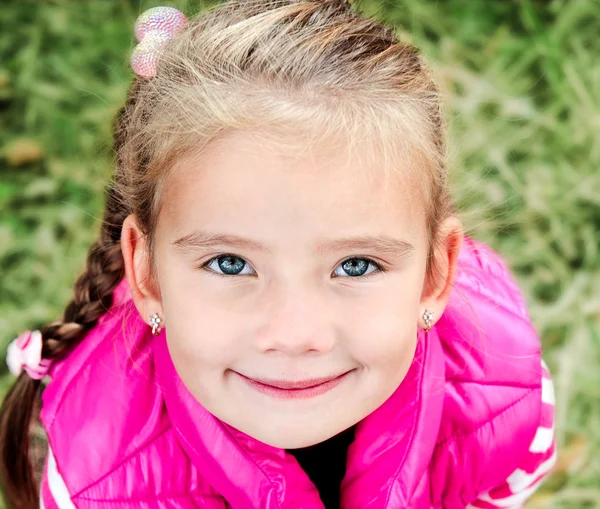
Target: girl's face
[{"x": 276, "y": 271}]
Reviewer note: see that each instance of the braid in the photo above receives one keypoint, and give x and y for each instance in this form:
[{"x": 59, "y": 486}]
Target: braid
[{"x": 92, "y": 297}]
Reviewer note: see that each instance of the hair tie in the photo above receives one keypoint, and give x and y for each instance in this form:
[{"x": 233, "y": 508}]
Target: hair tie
[
  {"x": 25, "y": 352},
  {"x": 153, "y": 28}
]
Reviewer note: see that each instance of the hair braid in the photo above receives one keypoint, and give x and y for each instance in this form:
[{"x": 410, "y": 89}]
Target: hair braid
[{"x": 92, "y": 297}]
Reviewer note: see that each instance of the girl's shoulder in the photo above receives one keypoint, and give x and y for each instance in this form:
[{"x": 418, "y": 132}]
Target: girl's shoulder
[
  {"x": 486, "y": 332},
  {"x": 494, "y": 402},
  {"x": 115, "y": 353},
  {"x": 102, "y": 402}
]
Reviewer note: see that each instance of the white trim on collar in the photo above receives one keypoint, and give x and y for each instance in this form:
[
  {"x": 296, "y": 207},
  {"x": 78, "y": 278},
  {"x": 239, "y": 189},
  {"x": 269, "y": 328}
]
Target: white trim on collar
[{"x": 57, "y": 485}]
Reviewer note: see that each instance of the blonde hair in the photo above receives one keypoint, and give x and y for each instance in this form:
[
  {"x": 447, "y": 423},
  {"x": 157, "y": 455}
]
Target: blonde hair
[{"x": 314, "y": 67}]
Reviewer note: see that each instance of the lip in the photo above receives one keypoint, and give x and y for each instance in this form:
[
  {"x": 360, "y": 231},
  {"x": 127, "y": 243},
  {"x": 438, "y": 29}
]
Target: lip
[{"x": 298, "y": 389}]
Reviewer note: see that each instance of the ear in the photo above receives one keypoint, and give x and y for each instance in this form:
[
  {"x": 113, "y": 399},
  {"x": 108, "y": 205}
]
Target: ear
[
  {"x": 438, "y": 287},
  {"x": 136, "y": 255}
]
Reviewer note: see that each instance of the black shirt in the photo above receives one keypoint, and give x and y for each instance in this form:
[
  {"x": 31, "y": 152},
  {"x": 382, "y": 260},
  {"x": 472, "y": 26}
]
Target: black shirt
[{"x": 325, "y": 465}]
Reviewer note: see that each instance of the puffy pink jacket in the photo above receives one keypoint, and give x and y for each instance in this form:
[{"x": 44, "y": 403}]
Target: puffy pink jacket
[{"x": 468, "y": 426}]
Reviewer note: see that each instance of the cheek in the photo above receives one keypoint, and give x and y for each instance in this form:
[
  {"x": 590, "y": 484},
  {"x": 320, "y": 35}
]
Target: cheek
[
  {"x": 199, "y": 332},
  {"x": 387, "y": 350},
  {"x": 385, "y": 333},
  {"x": 385, "y": 340}
]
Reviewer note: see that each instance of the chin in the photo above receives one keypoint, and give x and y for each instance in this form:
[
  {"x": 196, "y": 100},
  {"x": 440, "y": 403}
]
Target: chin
[{"x": 295, "y": 438}]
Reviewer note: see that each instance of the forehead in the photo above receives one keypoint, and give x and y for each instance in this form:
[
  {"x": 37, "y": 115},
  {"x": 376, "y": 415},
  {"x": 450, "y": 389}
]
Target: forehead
[{"x": 258, "y": 174}]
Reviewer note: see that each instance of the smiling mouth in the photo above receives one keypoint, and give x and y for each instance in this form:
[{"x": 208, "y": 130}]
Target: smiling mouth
[{"x": 294, "y": 388}]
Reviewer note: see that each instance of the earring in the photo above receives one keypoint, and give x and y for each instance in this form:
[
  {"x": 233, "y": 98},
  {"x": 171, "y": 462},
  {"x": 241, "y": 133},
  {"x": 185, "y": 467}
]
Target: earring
[
  {"x": 155, "y": 321},
  {"x": 428, "y": 317}
]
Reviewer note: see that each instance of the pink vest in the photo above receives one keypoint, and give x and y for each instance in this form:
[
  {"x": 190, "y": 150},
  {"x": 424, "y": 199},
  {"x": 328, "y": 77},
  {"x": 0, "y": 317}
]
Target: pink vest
[{"x": 126, "y": 433}]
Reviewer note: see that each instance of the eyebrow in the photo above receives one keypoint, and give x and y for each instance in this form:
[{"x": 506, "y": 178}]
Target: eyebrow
[{"x": 383, "y": 243}]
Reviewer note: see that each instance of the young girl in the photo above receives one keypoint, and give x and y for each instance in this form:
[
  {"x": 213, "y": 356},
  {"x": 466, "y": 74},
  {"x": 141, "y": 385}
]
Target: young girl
[{"x": 281, "y": 310}]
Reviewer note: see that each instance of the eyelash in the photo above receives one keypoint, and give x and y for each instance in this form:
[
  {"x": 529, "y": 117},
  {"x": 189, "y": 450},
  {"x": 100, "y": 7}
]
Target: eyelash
[{"x": 379, "y": 268}]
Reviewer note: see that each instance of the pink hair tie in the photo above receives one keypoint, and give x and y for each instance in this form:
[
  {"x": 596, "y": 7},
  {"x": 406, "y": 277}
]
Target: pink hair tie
[
  {"x": 152, "y": 29},
  {"x": 25, "y": 352}
]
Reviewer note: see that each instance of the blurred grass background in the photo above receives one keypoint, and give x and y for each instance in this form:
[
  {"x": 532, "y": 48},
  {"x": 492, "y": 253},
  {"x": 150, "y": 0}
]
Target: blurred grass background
[{"x": 522, "y": 85}]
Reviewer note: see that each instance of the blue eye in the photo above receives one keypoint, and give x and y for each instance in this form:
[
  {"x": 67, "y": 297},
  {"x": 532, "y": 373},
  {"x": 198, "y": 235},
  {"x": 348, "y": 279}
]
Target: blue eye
[
  {"x": 231, "y": 265},
  {"x": 357, "y": 267}
]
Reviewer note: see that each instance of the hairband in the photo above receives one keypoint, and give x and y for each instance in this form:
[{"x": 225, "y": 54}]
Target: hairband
[
  {"x": 25, "y": 352},
  {"x": 153, "y": 28}
]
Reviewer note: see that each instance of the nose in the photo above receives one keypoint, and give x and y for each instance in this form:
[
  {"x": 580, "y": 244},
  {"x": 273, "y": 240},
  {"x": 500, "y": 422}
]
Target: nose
[{"x": 296, "y": 324}]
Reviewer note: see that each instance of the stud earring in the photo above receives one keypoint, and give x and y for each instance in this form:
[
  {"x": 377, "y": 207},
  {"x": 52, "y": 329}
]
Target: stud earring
[
  {"x": 428, "y": 317},
  {"x": 155, "y": 321}
]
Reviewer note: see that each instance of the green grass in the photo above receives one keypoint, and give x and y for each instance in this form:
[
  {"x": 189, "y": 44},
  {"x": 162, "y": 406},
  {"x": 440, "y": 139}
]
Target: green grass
[{"x": 522, "y": 84}]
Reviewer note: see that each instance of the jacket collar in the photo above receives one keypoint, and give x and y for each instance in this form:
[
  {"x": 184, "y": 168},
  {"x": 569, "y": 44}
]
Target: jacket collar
[{"x": 385, "y": 464}]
